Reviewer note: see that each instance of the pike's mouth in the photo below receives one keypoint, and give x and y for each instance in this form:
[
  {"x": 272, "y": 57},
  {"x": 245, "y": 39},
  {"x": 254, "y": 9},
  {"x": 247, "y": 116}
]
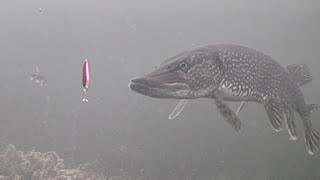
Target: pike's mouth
[
  {"x": 139, "y": 87},
  {"x": 157, "y": 89}
]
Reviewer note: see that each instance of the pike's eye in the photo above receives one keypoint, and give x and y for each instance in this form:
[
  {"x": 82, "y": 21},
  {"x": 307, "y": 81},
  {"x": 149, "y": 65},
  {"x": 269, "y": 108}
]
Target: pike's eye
[{"x": 183, "y": 65}]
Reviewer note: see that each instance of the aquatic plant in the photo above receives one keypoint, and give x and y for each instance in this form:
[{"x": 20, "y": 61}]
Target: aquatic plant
[{"x": 19, "y": 165}]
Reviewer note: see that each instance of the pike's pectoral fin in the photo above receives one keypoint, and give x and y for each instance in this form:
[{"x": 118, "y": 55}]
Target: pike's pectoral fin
[
  {"x": 274, "y": 110},
  {"x": 178, "y": 109},
  {"x": 228, "y": 114}
]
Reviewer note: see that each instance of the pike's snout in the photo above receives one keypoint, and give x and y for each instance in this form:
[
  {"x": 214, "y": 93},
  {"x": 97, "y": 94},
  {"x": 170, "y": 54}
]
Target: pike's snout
[{"x": 143, "y": 82}]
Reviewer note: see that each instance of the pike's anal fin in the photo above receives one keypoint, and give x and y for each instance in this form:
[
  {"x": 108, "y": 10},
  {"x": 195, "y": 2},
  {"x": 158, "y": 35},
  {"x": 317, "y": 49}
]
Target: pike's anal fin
[{"x": 291, "y": 126}]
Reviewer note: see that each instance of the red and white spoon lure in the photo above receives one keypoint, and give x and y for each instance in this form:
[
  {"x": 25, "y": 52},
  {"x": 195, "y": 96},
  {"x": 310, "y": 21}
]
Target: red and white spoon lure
[{"x": 85, "y": 78}]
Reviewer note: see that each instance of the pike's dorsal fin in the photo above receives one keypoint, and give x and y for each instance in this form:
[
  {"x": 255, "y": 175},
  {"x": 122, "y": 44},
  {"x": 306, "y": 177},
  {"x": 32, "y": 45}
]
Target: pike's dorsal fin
[{"x": 300, "y": 73}]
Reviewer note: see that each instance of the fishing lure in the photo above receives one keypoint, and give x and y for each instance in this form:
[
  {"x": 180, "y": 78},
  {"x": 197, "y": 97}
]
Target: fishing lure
[{"x": 85, "y": 79}]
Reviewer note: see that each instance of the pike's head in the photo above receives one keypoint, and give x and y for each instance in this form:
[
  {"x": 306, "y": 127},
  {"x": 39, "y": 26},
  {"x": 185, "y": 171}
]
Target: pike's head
[{"x": 189, "y": 75}]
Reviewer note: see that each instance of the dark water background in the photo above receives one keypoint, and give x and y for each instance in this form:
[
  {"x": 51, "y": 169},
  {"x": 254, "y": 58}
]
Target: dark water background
[{"x": 125, "y": 38}]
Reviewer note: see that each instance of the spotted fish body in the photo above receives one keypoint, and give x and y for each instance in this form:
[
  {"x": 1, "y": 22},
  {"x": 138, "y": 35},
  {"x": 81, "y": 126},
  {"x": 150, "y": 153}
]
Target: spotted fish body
[
  {"x": 227, "y": 72},
  {"x": 299, "y": 72},
  {"x": 251, "y": 75}
]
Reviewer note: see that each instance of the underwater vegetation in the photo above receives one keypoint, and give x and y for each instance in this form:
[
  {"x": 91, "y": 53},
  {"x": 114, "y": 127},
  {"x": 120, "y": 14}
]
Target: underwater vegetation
[{"x": 19, "y": 165}]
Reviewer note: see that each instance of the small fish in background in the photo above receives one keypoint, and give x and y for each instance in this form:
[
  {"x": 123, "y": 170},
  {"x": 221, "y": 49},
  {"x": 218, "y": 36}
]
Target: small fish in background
[
  {"x": 39, "y": 11},
  {"x": 38, "y": 78},
  {"x": 124, "y": 148},
  {"x": 85, "y": 79}
]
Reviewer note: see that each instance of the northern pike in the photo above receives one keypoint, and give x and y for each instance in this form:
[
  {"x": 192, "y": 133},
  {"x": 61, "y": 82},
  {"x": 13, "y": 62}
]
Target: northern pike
[{"x": 229, "y": 72}]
